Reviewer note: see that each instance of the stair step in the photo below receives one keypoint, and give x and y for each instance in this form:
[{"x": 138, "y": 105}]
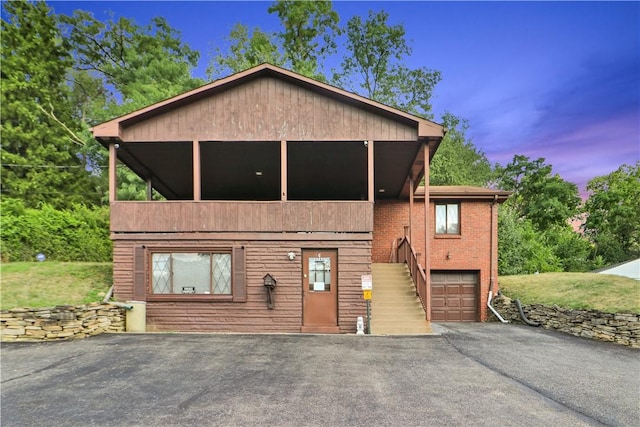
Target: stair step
[
  {"x": 396, "y": 309},
  {"x": 403, "y": 284},
  {"x": 407, "y": 294},
  {"x": 415, "y": 317},
  {"x": 401, "y": 331},
  {"x": 393, "y": 285}
]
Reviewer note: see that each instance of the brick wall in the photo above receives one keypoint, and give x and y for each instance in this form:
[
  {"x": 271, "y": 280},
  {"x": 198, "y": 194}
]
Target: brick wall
[{"x": 469, "y": 251}]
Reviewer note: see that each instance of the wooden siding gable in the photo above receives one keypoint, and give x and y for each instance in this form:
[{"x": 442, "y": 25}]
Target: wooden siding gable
[
  {"x": 269, "y": 109},
  {"x": 287, "y": 99}
]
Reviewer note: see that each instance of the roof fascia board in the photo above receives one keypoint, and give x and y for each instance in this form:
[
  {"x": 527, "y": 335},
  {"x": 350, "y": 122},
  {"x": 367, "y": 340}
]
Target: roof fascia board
[
  {"x": 110, "y": 129},
  {"x": 463, "y": 192}
]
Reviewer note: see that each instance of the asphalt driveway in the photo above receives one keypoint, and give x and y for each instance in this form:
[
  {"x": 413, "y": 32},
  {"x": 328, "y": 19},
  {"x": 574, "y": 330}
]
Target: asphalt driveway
[{"x": 472, "y": 374}]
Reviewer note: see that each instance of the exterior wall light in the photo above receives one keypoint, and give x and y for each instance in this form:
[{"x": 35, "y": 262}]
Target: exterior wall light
[{"x": 291, "y": 256}]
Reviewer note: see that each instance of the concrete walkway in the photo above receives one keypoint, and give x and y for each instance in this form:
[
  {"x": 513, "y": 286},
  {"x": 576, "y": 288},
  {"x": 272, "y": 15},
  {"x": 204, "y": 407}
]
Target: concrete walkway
[{"x": 474, "y": 374}]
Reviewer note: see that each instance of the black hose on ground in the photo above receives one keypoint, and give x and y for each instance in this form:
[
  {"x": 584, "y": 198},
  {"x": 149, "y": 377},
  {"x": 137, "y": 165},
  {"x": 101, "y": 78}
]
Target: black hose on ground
[{"x": 523, "y": 317}]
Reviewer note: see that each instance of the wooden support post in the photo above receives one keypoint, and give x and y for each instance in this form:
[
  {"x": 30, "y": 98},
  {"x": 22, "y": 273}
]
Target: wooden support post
[
  {"x": 427, "y": 233},
  {"x": 370, "y": 175},
  {"x": 411, "y": 191},
  {"x": 149, "y": 189},
  {"x": 283, "y": 171},
  {"x": 197, "y": 186},
  {"x": 113, "y": 180}
]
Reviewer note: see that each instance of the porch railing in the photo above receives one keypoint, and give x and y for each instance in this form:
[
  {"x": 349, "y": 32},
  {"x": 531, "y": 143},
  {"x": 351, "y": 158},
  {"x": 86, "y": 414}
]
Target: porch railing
[
  {"x": 187, "y": 216},
  {"x": 408, "y": 255}
]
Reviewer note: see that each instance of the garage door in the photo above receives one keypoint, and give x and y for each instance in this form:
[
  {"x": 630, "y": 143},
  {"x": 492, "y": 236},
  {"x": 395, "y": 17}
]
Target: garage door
[{"x": 454, "y": 296}]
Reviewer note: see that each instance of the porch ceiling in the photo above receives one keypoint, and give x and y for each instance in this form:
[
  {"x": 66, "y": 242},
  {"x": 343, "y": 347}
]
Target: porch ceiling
[{"x": 251, "y": 170}]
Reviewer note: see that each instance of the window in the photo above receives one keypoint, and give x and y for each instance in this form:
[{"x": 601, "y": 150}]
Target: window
[
  {"x": 320, "y": 274},
  {"x": 191, "y": 273},
  {"x": 448, "y": 218}
]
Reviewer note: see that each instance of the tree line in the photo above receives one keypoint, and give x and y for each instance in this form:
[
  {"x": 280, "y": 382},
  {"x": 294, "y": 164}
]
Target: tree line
[{"x": 62, "y": 74}]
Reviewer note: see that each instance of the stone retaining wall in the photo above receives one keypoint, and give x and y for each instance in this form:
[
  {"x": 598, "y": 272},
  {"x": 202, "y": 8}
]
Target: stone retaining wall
[
  {"x": 61, "y": 322},
  {"x": 621, "y": 328}
]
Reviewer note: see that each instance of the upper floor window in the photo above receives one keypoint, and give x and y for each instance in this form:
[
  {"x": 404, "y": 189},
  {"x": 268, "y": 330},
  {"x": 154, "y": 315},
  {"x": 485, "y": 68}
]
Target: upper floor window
[{"x": 447, "y": 218}]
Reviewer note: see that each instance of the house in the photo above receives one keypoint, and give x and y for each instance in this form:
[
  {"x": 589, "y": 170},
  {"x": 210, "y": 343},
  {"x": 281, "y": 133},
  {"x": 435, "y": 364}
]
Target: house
[
  {"x": 276, "y": 192},
  {"x": 630, "y": 269}
]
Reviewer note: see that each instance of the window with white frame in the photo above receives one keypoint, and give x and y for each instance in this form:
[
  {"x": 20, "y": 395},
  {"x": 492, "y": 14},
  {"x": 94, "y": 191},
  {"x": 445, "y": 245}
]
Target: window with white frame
[
  {"x": 447, "y": 218},
  {"x": 195, "y": 273}
]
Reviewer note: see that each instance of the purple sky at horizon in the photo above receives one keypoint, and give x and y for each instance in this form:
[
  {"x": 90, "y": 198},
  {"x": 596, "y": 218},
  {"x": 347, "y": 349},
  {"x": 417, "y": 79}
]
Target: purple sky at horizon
[{"x": 559, "y": 80}]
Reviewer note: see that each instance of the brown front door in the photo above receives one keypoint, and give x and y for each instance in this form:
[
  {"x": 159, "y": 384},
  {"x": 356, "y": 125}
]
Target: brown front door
[{"x": 320, "y": 291}]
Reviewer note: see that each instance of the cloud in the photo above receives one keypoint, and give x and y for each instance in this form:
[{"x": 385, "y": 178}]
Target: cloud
[
  {"x": 602, "y": 88},
  {"x": 585, "y": 125}
]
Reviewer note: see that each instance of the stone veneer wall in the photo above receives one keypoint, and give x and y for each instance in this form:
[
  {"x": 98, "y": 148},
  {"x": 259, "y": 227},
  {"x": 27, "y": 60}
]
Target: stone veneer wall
[
  {"x": 61, "y": 322},
  {"x": 621, "y": 328}
]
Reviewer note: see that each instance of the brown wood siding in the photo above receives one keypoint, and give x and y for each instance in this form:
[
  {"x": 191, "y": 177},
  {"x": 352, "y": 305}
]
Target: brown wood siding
[
  {"x": 262, "y": 257},
  {"x": 269, "y": 109},
  {"x": 217, "y": 216}
]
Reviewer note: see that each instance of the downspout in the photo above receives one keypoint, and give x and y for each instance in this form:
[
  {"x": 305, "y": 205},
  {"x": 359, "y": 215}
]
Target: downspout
[
  {"x": 492, "y": 261},
  {"x": 107, "y": 297},
  {"x": 117, "y": 304},
  {"x": 523, "y": 316}
]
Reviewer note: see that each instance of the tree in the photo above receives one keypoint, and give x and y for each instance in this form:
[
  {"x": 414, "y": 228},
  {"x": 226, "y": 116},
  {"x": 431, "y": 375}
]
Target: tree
[
  {"x": 571, "y": 249},
  {"x": 543, "y": 198},
  {"x": 41, "y": 141},
  {"x": 613, "y": 212},
  {"x": 458, "y": 161},
  {"x": 308, "y": 36},
  {"x": 373, "y": 66},
  {"x": 120, "y": 66},
  {"x": 137, "y": 65},
  {"x": 245, "y": 50},
  {"x": 521, "y": 248}
]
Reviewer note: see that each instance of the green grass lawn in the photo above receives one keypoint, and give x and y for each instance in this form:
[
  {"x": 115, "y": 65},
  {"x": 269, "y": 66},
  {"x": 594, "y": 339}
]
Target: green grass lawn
[
  {"x": 604, "y": 292},
  {"x": 51, "y": 283}
]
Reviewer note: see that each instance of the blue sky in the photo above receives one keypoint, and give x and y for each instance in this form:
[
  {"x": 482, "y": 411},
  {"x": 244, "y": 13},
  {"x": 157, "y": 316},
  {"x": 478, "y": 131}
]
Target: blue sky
[{"x": 559, "y": 80}]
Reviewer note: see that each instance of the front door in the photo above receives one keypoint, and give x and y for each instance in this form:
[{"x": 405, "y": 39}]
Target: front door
[{"x": 320, "y": 291}]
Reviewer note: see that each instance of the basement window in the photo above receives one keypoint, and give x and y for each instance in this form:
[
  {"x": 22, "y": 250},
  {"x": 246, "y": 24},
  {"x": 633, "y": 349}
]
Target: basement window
[
  {"x": 207, "y": 275},
  {"x": 191, "y": 273}
]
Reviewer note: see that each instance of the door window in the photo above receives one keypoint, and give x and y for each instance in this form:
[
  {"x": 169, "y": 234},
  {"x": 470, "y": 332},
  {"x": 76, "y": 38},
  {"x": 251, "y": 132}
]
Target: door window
[{"x": 320, "y": 274}]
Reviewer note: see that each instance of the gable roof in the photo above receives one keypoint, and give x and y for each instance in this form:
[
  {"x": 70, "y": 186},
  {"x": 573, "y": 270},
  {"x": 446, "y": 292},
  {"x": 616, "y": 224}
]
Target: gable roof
[
  {"x": 111, "y": 128},
  {"x": 460, "y": 192}
]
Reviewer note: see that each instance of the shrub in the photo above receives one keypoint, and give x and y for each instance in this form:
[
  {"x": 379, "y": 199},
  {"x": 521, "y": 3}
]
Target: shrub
[{"x": 78, "y": 233}]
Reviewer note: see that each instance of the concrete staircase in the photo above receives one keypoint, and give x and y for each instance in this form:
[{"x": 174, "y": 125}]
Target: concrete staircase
[{"x": 395, "y": 308}]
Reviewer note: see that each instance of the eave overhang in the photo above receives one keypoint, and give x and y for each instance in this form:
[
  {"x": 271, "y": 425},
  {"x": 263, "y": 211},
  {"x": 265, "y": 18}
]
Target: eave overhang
[{"x": 463, "y": 192}]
